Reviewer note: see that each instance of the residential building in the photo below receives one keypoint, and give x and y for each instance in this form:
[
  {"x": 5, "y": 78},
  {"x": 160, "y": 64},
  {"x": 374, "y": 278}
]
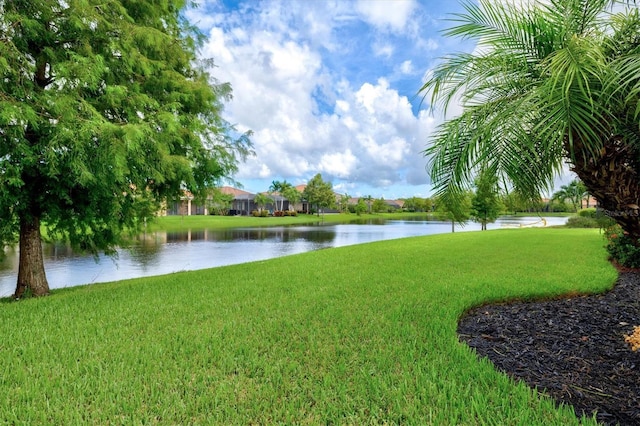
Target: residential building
[{"x": 244, "y": 203}]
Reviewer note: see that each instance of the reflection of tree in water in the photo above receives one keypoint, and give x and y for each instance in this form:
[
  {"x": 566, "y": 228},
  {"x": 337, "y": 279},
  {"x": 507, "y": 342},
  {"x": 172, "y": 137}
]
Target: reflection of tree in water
[
  {"x": 287, "y": 235},
  {"x": 9, "y": 258},
  {"x": 319, "y": 235},
  {"x": 185, "y": 236},
  {"x": 283, "y": 234},
  {"x": 368, "y": 222},
  {"x": 57, "y": 250},
  {"x": 146, "y": 247}
]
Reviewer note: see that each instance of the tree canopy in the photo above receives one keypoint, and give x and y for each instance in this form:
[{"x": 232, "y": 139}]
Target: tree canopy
[
  {"x": 485, "y": 203},
  {"x": 455, "y": 210},
  {"x": 292, "y": 194},
  {"x": 549, "y": 82},
  {"x": 319, "y": 193},
  {"x": 105, "y": 111}
]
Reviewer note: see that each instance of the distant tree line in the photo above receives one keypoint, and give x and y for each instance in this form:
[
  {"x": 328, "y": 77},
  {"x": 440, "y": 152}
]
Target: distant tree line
[{"x": 483, "y": 202}]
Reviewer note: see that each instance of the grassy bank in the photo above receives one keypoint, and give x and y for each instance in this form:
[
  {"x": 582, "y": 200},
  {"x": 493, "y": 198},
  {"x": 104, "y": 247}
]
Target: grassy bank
[
  {"x": 354, "y": 335},
  {"x": 177, "y": 223}
]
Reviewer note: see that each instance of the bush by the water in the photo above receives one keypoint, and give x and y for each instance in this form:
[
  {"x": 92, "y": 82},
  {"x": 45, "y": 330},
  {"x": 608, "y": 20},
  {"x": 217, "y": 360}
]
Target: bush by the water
[
  {"x": 590, "y": 212},
  {"x": 277, "y": 213},
  {"x": 590, "y": 218},
  {"x": 620, "y": 247},
  {"x": 582, "y": 222},
  {"x": 282, "y": 213}
]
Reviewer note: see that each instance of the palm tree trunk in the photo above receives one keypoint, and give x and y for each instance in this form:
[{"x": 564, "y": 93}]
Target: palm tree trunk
[
  {"x": 31, "y": 274},
  {"x": 612, "y": 179}
]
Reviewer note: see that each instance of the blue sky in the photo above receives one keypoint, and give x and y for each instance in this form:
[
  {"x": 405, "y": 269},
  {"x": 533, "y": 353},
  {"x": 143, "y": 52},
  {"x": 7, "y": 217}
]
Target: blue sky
[{"x": 330, "y": 87}]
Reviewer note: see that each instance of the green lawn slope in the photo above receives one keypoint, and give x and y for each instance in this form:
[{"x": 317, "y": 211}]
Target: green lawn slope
[{"x": 357, "y": 335}]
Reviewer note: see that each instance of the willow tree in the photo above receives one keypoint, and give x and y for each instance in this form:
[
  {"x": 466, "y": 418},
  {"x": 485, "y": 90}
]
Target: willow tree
[
  {"x": 549, "y": 82},
  {"x": 104, "y": 111}
]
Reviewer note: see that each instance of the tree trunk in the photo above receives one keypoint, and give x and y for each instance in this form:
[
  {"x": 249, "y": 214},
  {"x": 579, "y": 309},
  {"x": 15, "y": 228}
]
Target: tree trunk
[
  {"x": 612, "y": 179},
  {"x": 31, "y": 275}
]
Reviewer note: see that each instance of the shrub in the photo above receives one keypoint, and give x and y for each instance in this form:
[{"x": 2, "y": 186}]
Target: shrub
[
  {"x": 590, "y": 218},
  {"x": 278, "y": 213},
  {"x": 621, "y": 248},
  {"x": 559, "y": 207},
  {"x": 582, "y": 222},
  {"x": 590, "y": 212}
]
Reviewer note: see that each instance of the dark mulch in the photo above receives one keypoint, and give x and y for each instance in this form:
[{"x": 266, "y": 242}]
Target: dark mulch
[{"x": 572, "y": 349}]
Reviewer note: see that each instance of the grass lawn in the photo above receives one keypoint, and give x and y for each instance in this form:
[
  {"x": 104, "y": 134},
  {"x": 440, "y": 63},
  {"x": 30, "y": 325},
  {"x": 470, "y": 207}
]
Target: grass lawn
[
  {"x": 179, "y": 223},
  {"x": 358, "y": 335}
]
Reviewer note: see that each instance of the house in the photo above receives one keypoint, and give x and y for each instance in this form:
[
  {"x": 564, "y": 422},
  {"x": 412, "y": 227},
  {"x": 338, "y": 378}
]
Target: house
[
  {"x": 184, "y": 206},
  {"x": 394, "y": 204},
  {"x": 589, "y": 201},
  {"x": 244, "y": 203}
]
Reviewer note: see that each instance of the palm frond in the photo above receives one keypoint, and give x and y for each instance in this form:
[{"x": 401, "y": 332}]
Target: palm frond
[
  {"x": 573, "y": 95},
  {"x": 545, "y": 85},
  {"x": 504, "y": 25}
]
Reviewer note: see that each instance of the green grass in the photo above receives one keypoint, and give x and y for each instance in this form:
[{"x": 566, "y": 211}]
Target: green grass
[
  {"x": 354, "y": 335},
  {"x": 178, "y": 223}
]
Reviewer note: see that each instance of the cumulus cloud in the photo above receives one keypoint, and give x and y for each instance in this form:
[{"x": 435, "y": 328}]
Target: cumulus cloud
[
  {"x": 324, "y": 91},
  {"x": 387, "y": 14}
]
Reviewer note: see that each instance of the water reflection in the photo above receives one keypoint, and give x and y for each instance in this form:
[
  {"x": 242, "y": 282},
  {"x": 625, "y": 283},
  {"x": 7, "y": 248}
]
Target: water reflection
[
  {"x": 166, "y": 252},
  {"x": 276, "y": 234}
]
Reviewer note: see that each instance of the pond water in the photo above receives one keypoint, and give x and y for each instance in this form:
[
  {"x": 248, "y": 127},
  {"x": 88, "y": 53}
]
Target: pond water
[{"x": 165, "y": 252}]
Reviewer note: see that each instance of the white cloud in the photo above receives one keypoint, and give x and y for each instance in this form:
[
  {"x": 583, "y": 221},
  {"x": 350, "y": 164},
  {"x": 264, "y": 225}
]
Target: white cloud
[
  {"x": 383, "y": 49},
  {"x": 391, "y": 14},
  {"x": 317, "y": 82},
  {"x": 406, "y": 67},
  {"x": 339, "y": 164}
]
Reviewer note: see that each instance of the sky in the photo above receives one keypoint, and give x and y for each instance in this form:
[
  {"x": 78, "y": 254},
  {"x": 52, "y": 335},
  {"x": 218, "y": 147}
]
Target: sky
[{"x": 330, "y": 87}]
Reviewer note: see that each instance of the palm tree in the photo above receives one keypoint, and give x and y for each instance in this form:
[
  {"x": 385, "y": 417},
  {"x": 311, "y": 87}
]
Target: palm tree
[
  {"x": 274, "y": 189},
  {"x": 548, "y": 83},
  {"x": 293, "y": 195},
  {"x": 261, "y": 200},
  {"x": 575, "y": 192},
  {"x": 285, "y": 187},
  {"x": 278, "y": 188}
]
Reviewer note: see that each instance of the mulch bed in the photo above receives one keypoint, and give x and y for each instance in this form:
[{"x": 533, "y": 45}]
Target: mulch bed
[{"x": 572, "y": 349}]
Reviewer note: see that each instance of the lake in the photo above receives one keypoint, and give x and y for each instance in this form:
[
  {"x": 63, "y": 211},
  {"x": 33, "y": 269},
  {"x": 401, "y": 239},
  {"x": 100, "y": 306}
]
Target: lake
[{"x": 166, "y": 252}]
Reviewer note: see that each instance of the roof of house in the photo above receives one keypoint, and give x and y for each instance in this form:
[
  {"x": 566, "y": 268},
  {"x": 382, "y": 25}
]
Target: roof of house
[{"x": 234, "y": 191}]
